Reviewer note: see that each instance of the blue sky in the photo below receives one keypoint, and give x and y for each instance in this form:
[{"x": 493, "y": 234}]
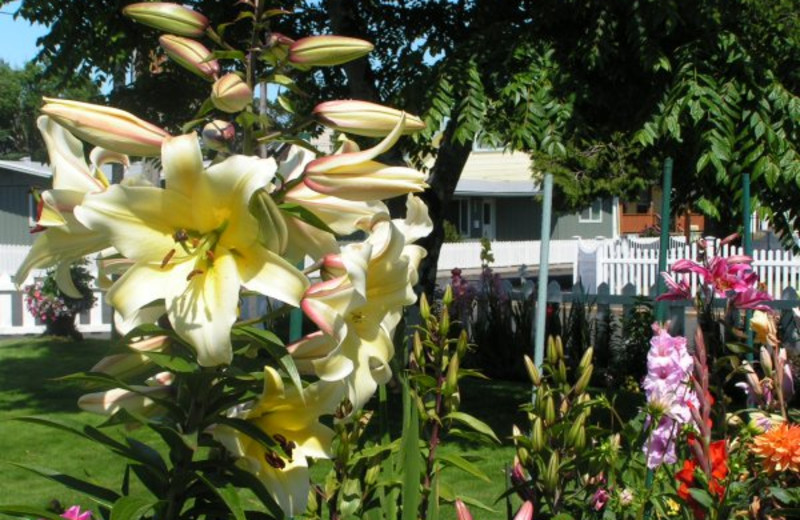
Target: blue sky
[{"x": 17, "y": 37}]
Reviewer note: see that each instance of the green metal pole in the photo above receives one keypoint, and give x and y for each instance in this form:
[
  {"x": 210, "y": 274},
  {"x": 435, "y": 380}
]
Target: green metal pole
[
  {"x": 661, "y": 307},
  {"x": 748, "y": 250},
  {"x": 666, "y": 195},
  {"x": 296, "y": 318},
  {"x": 544, "y": 265}
]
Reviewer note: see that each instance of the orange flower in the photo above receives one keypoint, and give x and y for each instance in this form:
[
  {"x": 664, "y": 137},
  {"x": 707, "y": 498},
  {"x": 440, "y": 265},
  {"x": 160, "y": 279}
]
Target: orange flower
[{"x": 780, "y": 448}]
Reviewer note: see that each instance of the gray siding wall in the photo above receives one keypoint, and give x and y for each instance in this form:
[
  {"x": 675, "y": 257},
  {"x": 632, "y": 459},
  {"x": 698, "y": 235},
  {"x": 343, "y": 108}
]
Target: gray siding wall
[
  {"x": 520, "y": 218},
  {"x": 569, "y": 225},
  {"x": 14, "y": 208}
]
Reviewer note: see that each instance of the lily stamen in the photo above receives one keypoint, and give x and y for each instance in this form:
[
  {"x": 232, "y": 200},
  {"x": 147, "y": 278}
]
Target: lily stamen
[
  {"x": 193, "y": 273},
  {"x": 167, "y": 258}
]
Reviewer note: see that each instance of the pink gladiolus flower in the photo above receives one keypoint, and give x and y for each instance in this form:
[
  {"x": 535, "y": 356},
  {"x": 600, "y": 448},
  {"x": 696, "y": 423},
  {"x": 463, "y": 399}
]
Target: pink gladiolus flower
[{"x": 74, "y": 513}]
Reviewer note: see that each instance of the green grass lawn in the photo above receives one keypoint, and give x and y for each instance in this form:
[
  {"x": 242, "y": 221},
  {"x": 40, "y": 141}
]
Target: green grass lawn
[{"x": 29, "y": 366}]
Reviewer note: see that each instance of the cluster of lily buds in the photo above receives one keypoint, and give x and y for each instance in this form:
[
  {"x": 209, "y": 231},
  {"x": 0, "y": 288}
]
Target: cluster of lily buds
[
  {"x": 776, "y": 387},
  {"x": 558, "y": 419}
]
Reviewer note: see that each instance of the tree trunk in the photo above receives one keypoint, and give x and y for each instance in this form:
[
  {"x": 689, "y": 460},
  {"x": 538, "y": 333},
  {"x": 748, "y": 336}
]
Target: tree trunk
[{"x": 444, "y": 177}]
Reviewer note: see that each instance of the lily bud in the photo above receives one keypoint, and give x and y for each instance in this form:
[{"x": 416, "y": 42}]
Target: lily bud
[
  {"x": 218, "y": 134},
  {"x": 273, "y": 232},
  {"x": 444, "y": 323},
  {"x": 424, "y": 307},
  {"x": 586, "y": 359},
  {"x": 277, "y": 48},
  {"x": 452, "y": 374},
  {"x": 533, "y": 372},
  {"x": 122, "y": 366},
  {"x": 191, "y": 55},
  {"x": 323, "y": 51},
  {"x": 752, "y": 379},
  {"x": 447, "y": 298},
  {"x": 168, "y": 17},
  {"x": 463, "y": 344},
  {"x": 549, "y": 410},
  {"x": 462, "y": 512},
  {"x": 583, "y": 381},
  {"x": 112, "y": 401},
  {"x": 525, "y": 512},
  {"x": 537, "y": 435},
  {"x": 766, "y": 361},
  {"x": 364, "y": 118},
  {"x": 106, "y": 127},
  {"x": 550, "y": 479},
  {"x": 231, "y": 94}
]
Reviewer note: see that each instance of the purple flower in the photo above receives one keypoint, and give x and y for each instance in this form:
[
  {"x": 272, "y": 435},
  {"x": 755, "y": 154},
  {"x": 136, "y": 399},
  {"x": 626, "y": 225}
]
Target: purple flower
[
  {"x": 660, "y": 446},
  {"x": 600, "y": 498}
]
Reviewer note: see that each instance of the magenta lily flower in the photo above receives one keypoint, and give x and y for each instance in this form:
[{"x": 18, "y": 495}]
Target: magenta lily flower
[
  {"x": 752, "y": 298},
  {"x": 676, "y": 290}
]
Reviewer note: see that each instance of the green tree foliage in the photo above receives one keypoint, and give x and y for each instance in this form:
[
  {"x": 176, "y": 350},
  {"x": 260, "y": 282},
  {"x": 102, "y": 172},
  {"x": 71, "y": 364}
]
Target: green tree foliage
[{"x": 21, "y": 92}]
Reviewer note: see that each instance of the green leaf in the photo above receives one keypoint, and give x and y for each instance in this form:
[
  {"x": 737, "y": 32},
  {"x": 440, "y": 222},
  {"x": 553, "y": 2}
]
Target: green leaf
[
  {"x": 28, "y": 512},
  {"x": 463, "y": 464},
  {"x": 286, "y": 103},
  {"x": 702, "y": 497},
  {"x": 243, "y": 478},
  {"x": 172, "y": 362},
  {"x": 476, "y": 424},
  {"x": 275, "y": 348},
  {"x": 131, "y": 508},
  {"x": 788, "y": 497},
  {"x": 100, "y": 494},
  {"x": 81, "y": 430},
  {"x": 410, "y": 458},
  {"x": 305, "y": 215},
  {"x": 252, "y": 431},
  {"x": 229, "y": 495}
]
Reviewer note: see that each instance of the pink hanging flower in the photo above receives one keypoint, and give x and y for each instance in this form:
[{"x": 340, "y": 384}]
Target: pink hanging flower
[
  {"x": 676, "y": 290},
  {"x": 74, "y": 513}
]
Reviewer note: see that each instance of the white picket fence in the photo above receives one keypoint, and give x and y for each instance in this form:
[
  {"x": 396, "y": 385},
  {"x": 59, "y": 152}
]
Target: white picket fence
[
  {"x": 467, "y": 255},
  {"x": 635, "y": 261},
  {"x": 15, "y": 319}
]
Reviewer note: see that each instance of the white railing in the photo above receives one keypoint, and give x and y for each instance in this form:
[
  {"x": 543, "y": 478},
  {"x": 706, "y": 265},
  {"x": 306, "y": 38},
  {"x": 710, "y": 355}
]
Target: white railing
[
  {"x": 624, "y": 261},
  {"x": 15, "y": 318},
  {"x": 467, "y": 255}
]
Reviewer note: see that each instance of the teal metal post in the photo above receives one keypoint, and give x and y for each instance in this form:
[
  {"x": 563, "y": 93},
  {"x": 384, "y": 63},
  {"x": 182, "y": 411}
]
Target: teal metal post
[
  {"x": 661, "y": 307},
  {"x": 666, "y": 196},
  {"x": 296, "y": 317},
  {"x": 748, "y": 250},
  {"x": 544, "y": 265}
]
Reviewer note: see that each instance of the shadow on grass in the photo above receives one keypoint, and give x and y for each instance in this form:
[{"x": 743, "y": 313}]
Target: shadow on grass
[{"x": 29, "y": 368}]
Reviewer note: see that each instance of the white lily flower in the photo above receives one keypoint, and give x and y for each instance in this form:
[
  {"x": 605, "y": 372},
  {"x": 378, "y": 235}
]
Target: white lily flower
[{"x": 194, "y": 244}]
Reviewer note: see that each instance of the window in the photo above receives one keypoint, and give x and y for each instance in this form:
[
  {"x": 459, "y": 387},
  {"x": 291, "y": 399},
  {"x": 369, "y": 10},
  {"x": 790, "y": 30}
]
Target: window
[{"x": 593, "y": 213}]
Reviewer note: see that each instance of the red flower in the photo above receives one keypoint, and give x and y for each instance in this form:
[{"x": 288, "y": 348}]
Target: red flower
[{"x": 719, "y": 471}]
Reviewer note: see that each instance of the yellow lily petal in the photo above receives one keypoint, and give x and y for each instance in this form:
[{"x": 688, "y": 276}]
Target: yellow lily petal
[
  {"x": 139, "y": 221},
  {"x": 64, "y": 281},
  {"x": 204, "y": 311},
  {"x": 70, "y": 171},
  {"x": 182, "y": 161},
  {"x": 60, "y": 244},
  {"x": 263, "y": 271},
  {"x": 145, "y": 283}
]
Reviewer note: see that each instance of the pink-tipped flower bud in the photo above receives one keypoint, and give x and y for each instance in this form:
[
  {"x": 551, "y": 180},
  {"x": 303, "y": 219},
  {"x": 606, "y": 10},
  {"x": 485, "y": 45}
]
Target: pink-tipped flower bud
[
  {"x": 218, "y": 134},
  {"x": 231, "y": 94},
  {"x": 364, "y": 118},
  {"x": 462, "y": 512},
  {"x": 525, "y": 512},
  {"x": 106, "y": 127},
  {"x": 168, "y": 17},
  {"x": 191, "y": 55},
  {"x": 324, "y": 51}
]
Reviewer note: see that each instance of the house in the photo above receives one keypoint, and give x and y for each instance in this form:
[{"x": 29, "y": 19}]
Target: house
[
  {"x": 497, "y": 198},
  {"x": 17, "y": 205},
  {"x": 642, "y": 216}
]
